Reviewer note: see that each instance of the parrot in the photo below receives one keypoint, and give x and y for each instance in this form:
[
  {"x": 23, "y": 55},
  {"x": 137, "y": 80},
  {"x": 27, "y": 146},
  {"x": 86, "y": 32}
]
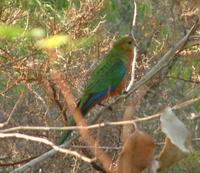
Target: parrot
[{"x": 108, "y": 78}]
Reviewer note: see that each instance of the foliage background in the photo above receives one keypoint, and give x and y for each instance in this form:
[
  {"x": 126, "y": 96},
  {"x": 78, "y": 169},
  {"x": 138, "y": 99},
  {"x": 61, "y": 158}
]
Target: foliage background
[{"x": 92, "y": 27}]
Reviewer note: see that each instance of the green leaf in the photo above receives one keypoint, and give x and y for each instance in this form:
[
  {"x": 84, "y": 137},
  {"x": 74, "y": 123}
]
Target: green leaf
[
  {"x": 10, "y": 32},
  {"x": 62, "y": 4},
  {"x": 3, "y": 83},
  {"x": 165, "y": 31},
  {"x": 86, "y": 42},
  {"x": 18, "y": 89},
  {"x": 144, "y": 10},
  {"x": 37, "y": 33},
  {"x": 197, "y": 106},
  {"x": 186, "y": 73},
  {"x": 112, "y": 10},
  {"x": 77, "y": 4}
]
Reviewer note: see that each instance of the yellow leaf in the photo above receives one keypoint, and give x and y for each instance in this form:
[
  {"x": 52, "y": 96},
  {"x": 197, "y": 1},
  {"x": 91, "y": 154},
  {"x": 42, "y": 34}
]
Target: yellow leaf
[
  {"x": 137, "y": 153},
  {"x": 53, "y": 41}
]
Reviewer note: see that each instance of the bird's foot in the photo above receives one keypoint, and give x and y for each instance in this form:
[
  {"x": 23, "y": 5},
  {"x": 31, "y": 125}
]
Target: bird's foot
[{"x": 101, "y": 104}]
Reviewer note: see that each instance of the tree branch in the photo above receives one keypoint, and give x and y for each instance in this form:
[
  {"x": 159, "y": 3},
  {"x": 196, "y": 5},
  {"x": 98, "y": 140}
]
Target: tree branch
[
  {"x": 134, "y": 50},
  {"x": 46, "y": 142},
  {"x": 100, "y": 125},
  {"x": 164, "y": 62}
]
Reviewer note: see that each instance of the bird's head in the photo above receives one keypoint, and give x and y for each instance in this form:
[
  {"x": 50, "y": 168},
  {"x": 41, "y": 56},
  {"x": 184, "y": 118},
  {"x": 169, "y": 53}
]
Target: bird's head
[{"x": 126, "y": 43}]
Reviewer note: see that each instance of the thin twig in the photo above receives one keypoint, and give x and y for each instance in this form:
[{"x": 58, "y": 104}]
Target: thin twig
[
  {"x": 37, "y": 95},
  {"x": 44, "y": 156},
  {"x": 13, "y": 110},
  {"x": 196, "y": 139},
  {"x": 164, "y": 61},
  {"x": 46, "y": 142},
  {"x": 182, "y": 79},
  {"x": 60, "y": 107},
  {"x": 185, "y": 103},
  {"x": 17, "y": 162},
  {"x": 100, "y": 125}
]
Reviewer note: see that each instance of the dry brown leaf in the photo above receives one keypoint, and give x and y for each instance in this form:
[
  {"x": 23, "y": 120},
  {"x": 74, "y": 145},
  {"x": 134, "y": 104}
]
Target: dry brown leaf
[
  {"x": 137, "y": 154},
  {"x": 169, "y": 155},
  {"x": 174, "y": 129}
]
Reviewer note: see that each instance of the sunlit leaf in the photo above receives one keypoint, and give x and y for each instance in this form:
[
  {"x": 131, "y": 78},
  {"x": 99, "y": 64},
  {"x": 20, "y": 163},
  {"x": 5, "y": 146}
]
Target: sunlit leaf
[
  {"x": 53, "y": 41},
  {"x": 37, "y": 33},
  {"x": 70, "y": 44},
  {"x": 10, "y": 32}
]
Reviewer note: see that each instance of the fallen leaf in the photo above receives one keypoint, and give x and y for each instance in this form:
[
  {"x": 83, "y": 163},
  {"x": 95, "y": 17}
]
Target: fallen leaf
[{"x": 137, "y": 154}]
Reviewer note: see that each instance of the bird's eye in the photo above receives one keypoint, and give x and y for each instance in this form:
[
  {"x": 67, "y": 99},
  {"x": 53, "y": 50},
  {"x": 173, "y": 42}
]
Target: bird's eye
[{"x": 130, "y": 42}]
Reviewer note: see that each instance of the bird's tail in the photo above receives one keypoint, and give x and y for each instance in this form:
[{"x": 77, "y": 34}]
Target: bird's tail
[
  {"x": 71, "y": 122},
  {"x": 66, "y": 134}
]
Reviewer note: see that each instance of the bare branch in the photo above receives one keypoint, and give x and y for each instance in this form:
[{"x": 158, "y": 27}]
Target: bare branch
[
  {"x": 163, "y": 62},
  {"x": 46, "y": 142},
  {"x": 135, "y": 14},
  {"x": 43, "y": 157},
  {"x": 195, "y": 117},
  {"x": 133, "y": 69},
  {"x": 182, "y": 79},
  {"x": 134, "y": 49},
  {"x": 100, "y": 125}
]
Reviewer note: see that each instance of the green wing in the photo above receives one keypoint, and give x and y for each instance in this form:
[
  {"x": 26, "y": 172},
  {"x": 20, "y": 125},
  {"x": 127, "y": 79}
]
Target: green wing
[{"x": 106, "y": 77}]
